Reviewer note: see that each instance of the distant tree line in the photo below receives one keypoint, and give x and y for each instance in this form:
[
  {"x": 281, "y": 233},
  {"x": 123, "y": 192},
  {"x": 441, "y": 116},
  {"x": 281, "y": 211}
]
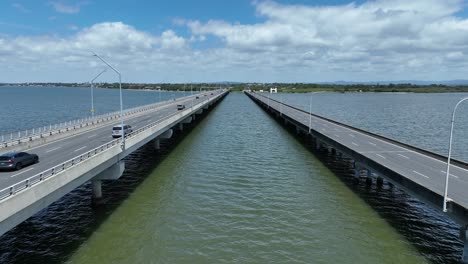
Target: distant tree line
[{"x": 282, "y": 87}]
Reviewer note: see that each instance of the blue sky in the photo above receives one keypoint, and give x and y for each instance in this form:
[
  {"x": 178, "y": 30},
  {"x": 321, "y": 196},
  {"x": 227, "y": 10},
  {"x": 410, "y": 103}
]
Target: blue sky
[{"x": 243, "y": 40}]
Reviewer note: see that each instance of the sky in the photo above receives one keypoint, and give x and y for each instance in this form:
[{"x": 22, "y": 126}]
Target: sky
[{"x": 181, "y": 41}]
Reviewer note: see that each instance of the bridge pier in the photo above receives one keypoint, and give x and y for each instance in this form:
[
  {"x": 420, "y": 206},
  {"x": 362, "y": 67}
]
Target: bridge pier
[
  {"x": 464, "y": 237},
  {"x": 157, "y": 144},
  {"x": 181, "y": 126},
  {"x": 380, "y": 181},
  {"x": 97, "y": 191}
]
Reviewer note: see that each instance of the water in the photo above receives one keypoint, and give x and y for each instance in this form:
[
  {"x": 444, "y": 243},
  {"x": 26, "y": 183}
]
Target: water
[
  {"x": 237, "y": 189},
  {"x": 27, "y": 107}
]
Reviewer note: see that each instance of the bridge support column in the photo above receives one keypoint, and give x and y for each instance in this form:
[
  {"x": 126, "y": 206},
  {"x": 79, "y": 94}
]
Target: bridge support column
[
  {"x": 379, "y": 181},
  {"x": 464, "y": 237},
  {"x": 157, "y": 144},
  {"x": 181, "y": 126},
  {"x": 97, "y": 191},
  {"x": 369, "y": 177}
]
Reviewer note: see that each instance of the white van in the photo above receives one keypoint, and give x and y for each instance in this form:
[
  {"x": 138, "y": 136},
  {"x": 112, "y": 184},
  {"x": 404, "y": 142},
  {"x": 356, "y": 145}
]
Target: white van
[{"x": 117, "y": 130}]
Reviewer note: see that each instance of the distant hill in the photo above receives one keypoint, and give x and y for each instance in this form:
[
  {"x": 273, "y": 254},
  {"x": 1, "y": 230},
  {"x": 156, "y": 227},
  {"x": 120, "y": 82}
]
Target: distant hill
[{"x": 416, "y": 82}]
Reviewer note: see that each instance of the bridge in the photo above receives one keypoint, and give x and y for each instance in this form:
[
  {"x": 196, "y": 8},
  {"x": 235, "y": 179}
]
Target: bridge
[
  {"x": 76, "y": 152},
  {"x": 419, "y": 172}
]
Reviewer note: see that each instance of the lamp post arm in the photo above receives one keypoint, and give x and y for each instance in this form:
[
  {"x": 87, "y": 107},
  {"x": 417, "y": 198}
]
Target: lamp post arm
[{"x": 450, "y": 153}]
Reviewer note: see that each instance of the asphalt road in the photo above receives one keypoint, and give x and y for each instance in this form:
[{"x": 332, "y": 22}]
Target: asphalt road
[
  {"x": 57, "y": 152},
  {"x": 418, "y": 167}
]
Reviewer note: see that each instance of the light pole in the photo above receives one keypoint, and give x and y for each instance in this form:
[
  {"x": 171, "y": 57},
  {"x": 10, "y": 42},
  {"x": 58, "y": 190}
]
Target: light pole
[
  {"x": 92, "y": 92},
  {"x": 120, "y": 91},
  {"x": 281, "y": 105},
  {"x": 450, "y": 153},
  {"x": 310, "y": 112},
  {"x": 160, "y": 93}
]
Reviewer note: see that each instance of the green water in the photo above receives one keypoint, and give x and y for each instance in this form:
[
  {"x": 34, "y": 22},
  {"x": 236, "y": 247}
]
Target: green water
[{"x": 240, "y": 189}]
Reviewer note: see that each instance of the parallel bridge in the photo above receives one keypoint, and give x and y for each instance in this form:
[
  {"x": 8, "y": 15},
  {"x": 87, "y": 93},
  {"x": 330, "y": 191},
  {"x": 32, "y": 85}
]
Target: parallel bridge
[{"x": 419, "y": 172}]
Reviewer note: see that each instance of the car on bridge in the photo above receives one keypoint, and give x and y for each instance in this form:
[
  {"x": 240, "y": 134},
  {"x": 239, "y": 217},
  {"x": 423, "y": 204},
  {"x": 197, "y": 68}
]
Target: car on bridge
[
  {"x": 180, "y": 107},
  {"x": 17, "y": 160},
  {"x": 117, "y": 130}
]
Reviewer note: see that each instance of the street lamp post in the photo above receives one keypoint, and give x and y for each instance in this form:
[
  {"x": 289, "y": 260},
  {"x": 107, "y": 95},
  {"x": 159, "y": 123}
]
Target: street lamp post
[
  {"x": 310, "y": 112},
  {"x": 450, "y": 153},
  {"x": 120, "y": 91},
  {"x": 92, "y": 92}
]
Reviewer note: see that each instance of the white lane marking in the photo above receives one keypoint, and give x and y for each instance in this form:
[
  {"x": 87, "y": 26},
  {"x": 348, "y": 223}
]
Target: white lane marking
[
  {"x": 21, "y": 172},
  {"x": 381, "y": 156},
  {"x": 354, "y": 144},
  {"x": 50, "y": 150},
  {"x": 399, "y": 147},
  {"x": 401, "y": 155},
  {"x": 92, "y": 136},
  {"x": 79, "y": 149},
  {"x": 421, "y": 174},
  {"x": 373, "y": 144},
  {"x": 337, "y": 136},
  {"x": 445, "y": 173},
  {"x": 351, "y": 135}
]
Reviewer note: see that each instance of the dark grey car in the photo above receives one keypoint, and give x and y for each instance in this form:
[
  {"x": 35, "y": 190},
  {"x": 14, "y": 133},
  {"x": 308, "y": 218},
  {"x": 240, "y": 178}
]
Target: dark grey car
[{"x": 17, "y": 160}]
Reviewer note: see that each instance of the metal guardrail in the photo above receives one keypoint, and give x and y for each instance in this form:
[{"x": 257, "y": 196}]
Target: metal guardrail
[
  {"x": 40, "y": 177},
  {"x": 36, "y": 133}
]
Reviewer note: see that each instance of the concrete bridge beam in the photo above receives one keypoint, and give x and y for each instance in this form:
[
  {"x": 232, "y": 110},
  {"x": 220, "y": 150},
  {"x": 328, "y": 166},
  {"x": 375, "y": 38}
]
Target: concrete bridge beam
[
  {"x": 114, "y": 172},
  {"x": 188, "y": 120},
  {"x": 167, "y": 135}
]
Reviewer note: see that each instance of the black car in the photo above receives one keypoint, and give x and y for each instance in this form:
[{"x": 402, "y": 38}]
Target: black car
[{"x": 17, "y": 160}]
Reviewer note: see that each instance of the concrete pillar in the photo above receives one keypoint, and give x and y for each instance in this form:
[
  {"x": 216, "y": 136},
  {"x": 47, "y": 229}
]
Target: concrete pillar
[
  {"x": 369, "y": 180},
  {"x": 318, "y": 145},
  {"x": 379, "y": 181},
  {"x": 157, "y": 144},
  {"x": 181, "y": 126},
  {"x": 97, "y": 189},
  {"x": 97, "y": 199},
  {"x": 464, "y": 238}
]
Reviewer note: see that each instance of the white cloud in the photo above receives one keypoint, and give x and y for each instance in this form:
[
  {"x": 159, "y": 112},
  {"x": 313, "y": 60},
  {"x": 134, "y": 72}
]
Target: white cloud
[
  {"x": 383, "y": 32},
  {"x": 376, "y": 40}
]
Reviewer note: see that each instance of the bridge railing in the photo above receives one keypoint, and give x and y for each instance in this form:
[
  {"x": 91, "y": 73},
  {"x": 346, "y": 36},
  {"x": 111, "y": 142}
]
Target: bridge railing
[
  {"x": 40, "y": 177},
  {"x": 41, "y": 132}
]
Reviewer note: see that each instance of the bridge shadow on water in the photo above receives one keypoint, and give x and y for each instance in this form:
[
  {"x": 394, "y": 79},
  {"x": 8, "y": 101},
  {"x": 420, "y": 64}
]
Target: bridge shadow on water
[
  {"x": 55, "y": 233},
  {"x": 434, "y": 235}
]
